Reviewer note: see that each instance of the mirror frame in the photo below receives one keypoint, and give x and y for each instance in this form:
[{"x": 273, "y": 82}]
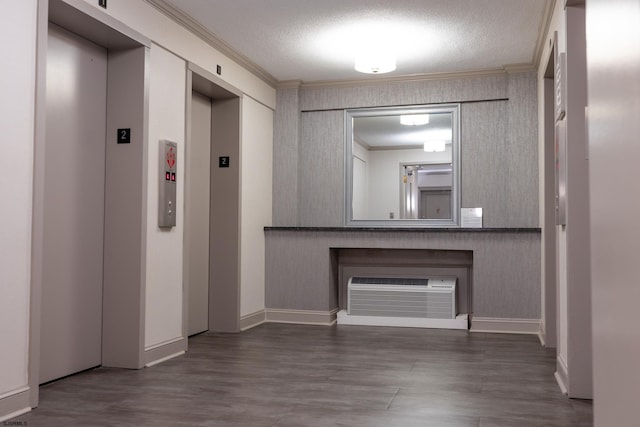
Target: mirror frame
[{"x": 350, "y": 114}]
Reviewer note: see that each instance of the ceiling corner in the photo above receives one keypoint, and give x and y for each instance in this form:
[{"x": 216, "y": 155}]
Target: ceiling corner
[
  {"x": 203, "y": 33},
  {"x": 545, "y": 24}
]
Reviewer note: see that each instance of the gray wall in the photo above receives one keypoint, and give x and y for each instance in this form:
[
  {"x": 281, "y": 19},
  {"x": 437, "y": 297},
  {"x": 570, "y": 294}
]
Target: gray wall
[
  {"x": 506, "y": 266},
  {"x": 499, "y": 172},
  {"x": 499, "y": 155},
  {"x": 285, "y": 156}
]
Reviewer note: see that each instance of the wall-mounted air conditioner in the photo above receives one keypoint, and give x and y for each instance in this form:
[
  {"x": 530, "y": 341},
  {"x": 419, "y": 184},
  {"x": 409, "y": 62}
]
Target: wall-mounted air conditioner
[{"x": 420, "y": 302}]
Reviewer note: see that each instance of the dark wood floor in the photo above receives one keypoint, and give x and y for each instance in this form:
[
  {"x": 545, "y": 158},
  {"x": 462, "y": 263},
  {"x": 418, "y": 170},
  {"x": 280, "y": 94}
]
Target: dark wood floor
[{"x": 292, "y": 375}]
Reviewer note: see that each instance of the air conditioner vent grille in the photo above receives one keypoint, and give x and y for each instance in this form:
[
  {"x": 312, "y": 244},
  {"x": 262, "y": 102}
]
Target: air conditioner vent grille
[
  {"x": 389, "y": 281},
  {"x": 400, "y": 297}
]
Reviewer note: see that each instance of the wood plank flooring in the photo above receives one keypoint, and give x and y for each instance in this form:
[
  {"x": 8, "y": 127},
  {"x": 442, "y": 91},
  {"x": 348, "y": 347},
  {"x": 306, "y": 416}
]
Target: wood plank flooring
[{"x": 294, "y": 375}]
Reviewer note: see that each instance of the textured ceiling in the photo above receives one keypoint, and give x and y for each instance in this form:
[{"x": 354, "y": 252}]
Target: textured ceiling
[
  {"x": 385, "y": 131},
  {"x": 317, "y": 40}
]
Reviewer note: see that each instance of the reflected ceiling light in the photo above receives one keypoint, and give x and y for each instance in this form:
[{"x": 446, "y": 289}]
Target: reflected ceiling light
[
  {"x": 375, "y": 62},
  {"x": 434, "y": 146},
  {"x": 414, "y": 119}
]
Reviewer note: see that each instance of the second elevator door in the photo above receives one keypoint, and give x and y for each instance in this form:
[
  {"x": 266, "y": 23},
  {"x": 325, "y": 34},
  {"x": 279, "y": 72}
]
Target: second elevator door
[{"x": 198, "y": 176}]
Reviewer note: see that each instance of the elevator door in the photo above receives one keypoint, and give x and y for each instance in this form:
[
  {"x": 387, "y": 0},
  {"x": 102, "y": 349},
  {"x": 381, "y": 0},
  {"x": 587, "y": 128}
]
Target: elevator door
[
  {"x": 71, "y": 324},
  {"x": 435, "y": 204},
  {"x": 198, "y": 178}
]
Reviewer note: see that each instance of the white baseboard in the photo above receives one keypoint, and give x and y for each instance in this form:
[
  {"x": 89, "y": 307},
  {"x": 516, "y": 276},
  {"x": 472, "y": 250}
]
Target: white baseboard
[
  {"x": 252, "y": 320},
  {"x": 478, "y": 324},
  {"x": 14, "y": 403},
  {"x": 561, "y": 374},
  {"x": 302, "y": 317},
  {"x": 460, "y": 322},
  {"x": 14, "y": 414},
  {"x": 163, "y": 344},
  {"x": 14, "y": 392},
  {"x": 169, "y": 350},
  {"x": 163, "y": 359},
  {"x": 505, "y": 326},
  {"x": 542, "y": 334}
]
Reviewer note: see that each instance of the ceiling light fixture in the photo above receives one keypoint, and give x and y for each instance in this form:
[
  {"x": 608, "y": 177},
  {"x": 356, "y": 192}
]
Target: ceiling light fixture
[
  {"x": 414, "y": 119},
  {"x": 434, "y": 146},
  {"x": 375, "y": 63}
]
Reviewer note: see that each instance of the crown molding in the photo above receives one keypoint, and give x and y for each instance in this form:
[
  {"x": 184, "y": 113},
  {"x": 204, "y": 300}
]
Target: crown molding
[
  {"x": 519, "y": 68},
  {"x": 545, "y": 24},
  {"x": 380, "y": 80},
  {"x": 289, "y": 84},
  {"x": 199, "y": 30}
]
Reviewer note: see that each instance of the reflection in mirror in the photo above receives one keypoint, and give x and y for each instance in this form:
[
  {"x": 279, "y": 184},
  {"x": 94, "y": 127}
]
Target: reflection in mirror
[
  {"x": 426, "y": 191},
  {"x": 402, "y": 166}
]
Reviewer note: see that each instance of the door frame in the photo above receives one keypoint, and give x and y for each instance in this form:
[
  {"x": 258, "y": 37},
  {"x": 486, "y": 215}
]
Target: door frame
[
  {"x": 123, "y": 328},
  {"x": 224, "y": 222},
  {"x": 548, "y": 217},
  {"x": 74, "y": 156}
]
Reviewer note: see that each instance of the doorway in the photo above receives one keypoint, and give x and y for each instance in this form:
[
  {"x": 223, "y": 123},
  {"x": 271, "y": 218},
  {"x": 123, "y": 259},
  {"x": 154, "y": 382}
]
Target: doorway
[
  {"x": 73, "y": 229},
  {"x": 212, "y": 244},
  {"x": 89, "y": 218},
  {"x": 435, "y": 204}
]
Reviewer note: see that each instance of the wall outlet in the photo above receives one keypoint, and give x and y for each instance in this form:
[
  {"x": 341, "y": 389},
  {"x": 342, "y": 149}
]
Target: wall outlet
[{"x": 102, "y": 3}]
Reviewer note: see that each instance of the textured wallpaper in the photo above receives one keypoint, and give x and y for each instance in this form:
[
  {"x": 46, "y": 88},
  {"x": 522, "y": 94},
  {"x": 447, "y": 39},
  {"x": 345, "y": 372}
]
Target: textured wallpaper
[{"x": 499, "y": 163}]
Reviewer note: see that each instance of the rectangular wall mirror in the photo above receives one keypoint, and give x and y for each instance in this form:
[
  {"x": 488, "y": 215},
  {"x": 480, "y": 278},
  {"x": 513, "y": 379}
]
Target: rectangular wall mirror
[{"x": 402, "y": 166}]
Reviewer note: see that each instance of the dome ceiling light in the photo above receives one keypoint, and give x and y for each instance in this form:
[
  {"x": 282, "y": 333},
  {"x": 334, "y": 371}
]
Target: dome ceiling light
[
  {"x": 375, "y": 62},
  {"x": 414, "y": 119},
  {"x": 434, "y": 146}
]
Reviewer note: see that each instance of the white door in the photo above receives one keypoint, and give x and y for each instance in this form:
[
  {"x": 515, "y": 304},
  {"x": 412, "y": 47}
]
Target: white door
[
  {"x": 198, "y": 178},
  {"x": 71, "y": 324}
]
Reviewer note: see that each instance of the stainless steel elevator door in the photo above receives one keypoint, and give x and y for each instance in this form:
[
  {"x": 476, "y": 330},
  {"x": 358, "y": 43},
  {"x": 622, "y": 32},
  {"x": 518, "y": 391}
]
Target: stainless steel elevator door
[
  {"x": 71, "y": 324},
  {"x": 198, "y": 178},
  {"x": 435, "y": 204}
]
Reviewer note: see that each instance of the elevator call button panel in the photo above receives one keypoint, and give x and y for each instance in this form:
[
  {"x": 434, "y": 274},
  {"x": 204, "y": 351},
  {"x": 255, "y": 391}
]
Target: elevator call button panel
[{"x": 167, "y": 190}]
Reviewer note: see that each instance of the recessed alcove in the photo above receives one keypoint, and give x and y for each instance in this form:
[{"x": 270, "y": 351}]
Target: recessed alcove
[
  {"x": 404, "y": 263},
  {"x": 498, "y": 270}
]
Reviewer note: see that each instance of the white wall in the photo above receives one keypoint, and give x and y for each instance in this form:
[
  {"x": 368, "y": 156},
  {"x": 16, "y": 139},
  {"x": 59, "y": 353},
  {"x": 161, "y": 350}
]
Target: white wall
[
  {"x": 613, "y": 55},
  {"x": 573, "y": 306},
  {"x": 173, "y": 45},
  {"x": 557, "y": 24},
  {"x": 167, "y": 97},
  {"x": 17, "y": 77},
  {"x": 256, "y": 213},
  {"x": 152, "y": 23}
]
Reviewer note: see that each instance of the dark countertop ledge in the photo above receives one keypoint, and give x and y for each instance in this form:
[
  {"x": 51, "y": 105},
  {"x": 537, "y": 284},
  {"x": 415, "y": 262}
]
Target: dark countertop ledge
[{"x": 406, "y": 229}]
